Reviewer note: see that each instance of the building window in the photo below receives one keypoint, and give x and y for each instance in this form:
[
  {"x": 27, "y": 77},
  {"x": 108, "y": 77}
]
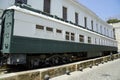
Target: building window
[
  {"x": 21, "y": 1},
  {"x": 72, "y": 36},
  {"x": 76, "y": 17},
  {"x": 111, "y": 33},
  {"x": 81, "y": 38},
  {"x": 40, "y": 27},
  {"x": 104, "y": 31},
  {"x": 58, "y": 31},
  {"x": 49, "y": 29},
  {"x": 114, "y": 33},
  {"x": 89, "y": 39},
  {"x": 47, "y": 6},
  {"x": 64, "y": 13},
  {"x": 101, "y": 29},
  {"x": 107, "y": 32},
  {"x": 97, "y": 27},
  {"x": 67, "y": 35},
  {"x": 92, "y": 24},
  {"x": 85, "y": 22}
]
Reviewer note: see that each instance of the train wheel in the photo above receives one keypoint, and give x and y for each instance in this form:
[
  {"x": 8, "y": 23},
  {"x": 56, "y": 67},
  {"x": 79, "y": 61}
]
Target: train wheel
[{"x": 54, "y": 60}]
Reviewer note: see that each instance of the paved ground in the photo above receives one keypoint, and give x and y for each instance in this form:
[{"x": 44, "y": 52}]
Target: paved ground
[{"x": 106, "y": 71}]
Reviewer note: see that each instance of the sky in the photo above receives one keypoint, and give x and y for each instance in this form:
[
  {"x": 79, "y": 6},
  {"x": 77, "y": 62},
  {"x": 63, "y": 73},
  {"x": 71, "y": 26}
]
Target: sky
[{"x": 105, "y": 9}]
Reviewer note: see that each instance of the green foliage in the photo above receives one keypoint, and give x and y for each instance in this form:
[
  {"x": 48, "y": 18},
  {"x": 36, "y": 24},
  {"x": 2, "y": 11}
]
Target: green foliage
[{"x": 113, "y": 21}]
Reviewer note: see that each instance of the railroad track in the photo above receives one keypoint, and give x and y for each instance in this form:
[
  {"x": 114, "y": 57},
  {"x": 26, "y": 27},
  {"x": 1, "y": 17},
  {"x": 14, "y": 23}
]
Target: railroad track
[
  {"x": 47, "y": 73},
  {"x": 18, "y": 68}
]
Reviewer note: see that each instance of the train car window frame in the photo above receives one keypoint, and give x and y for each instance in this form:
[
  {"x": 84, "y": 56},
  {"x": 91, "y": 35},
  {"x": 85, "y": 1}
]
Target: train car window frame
[
  {"x": 89, "y": 40},
  {"x": 81, "y": 38},
  {"x": 99, "y": 41},
  {"x": 95, "y": 41},
  {"x": 49, "y": 29},
  {"x": 40, "y": 27},
  {"x": 67, "y": 35},
  {"x": 73, "y": 36},
  {"x": 58, "y": 31}
]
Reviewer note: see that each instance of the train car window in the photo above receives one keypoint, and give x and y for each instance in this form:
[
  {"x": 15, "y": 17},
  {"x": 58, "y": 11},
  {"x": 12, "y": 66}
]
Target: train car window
[
  {"x": 99, "y": 41},
  {"x": 21, "y": 1},
  {"x": 89, "y": 40},
  {"x": 49, "y": 29},
  {"x": 72, "y": 36},
  {"x": 47, "y": 6},
  {"x": 40, "y": 27},
  {"x": 81, "y": 38},
  {"x": 58, "y": 31},
  {"x": 103, "y": 42},
  {"x": 67, "y": 35},
  {"x": 95, "y": 41}
]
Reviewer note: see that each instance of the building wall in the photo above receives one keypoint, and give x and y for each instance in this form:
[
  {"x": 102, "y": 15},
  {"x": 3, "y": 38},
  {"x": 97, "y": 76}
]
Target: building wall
[{"x": 117, "y": 33}]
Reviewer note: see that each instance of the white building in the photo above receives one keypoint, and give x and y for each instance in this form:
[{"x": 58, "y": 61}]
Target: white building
[{"x": 117, "y": 33}]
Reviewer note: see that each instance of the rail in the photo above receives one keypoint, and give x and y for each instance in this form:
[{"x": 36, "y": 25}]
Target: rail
[{"x": 47, "y": 73}]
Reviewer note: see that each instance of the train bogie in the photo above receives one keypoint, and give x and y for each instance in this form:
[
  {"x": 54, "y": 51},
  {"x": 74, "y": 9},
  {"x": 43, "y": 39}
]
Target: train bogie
[{"x": 16, "y": 59}]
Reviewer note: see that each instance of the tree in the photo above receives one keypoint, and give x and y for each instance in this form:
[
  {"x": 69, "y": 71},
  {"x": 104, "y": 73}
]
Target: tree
[{"x": 113, "y": 21}]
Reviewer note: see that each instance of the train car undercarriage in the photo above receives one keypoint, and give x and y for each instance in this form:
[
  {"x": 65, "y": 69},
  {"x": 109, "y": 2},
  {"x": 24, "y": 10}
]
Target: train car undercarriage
[
  {"x": 42, "y": 60},
  {"x": 31, "y": 61}
]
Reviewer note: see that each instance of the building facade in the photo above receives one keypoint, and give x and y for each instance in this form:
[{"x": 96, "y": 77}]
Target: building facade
[{"x": 117, "y": 33}]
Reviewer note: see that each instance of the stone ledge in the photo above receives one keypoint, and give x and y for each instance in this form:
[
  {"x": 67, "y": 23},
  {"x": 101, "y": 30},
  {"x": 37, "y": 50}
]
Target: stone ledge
[{"x": 40, "y": 74}]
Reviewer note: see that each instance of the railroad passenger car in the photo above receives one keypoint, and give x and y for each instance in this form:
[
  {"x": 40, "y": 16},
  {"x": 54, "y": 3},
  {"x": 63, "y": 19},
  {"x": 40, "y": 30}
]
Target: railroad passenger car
[{"x": 50, "y": 32}]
